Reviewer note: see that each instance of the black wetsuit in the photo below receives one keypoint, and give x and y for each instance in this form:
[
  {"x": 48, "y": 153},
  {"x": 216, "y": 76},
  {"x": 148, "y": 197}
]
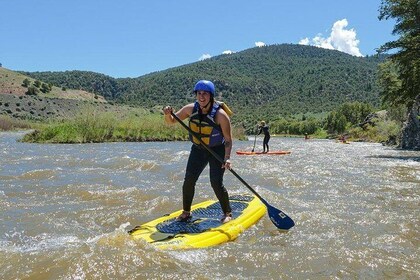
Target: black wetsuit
[
  {"x": 265, "y": 129},
  {"x": 197, "y": 161}
]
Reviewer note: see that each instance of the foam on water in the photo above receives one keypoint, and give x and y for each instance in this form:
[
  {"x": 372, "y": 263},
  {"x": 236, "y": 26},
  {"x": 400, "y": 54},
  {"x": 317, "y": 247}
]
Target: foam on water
[
  {"x": 65, "y": 210},
  {"x": 20, "y": 242}
]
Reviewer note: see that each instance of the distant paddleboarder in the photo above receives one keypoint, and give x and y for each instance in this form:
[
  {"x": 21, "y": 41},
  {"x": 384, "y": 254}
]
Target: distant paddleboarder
[
  {"x": 343, "y": 139},
  {"x": 263, "y": 127}
]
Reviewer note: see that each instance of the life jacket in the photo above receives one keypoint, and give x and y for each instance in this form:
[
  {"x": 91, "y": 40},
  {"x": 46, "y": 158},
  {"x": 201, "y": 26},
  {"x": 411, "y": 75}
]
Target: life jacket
[{"x": 205, "y": 126}]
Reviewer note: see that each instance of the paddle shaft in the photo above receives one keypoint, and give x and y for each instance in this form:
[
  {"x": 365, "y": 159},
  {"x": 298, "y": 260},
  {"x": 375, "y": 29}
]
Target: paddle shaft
[
  {"x": 255, "y": 140},
  {"x": 219, "y": 159}
]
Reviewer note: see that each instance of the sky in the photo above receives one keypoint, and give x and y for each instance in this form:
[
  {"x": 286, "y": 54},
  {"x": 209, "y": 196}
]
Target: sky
[{"x": 131, "y": 38}]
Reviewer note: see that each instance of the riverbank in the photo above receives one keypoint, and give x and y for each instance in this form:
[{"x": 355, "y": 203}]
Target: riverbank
[
  {"x": 99, "y": 127},
  {"x": 91, "y": 124},
  {"x": 91, "y": 127}
]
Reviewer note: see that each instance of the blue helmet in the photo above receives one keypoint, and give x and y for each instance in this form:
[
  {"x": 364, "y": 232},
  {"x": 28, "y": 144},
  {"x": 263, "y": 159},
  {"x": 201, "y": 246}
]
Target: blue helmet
[{"x": 206, "y": 86}]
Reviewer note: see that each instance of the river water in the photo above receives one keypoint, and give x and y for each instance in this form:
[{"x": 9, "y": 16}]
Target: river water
[{"x": 65, "y": 210}]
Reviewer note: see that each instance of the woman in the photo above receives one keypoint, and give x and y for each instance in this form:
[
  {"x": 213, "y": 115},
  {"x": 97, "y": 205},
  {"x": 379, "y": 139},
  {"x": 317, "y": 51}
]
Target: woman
[{"x": 209, "y": 120}]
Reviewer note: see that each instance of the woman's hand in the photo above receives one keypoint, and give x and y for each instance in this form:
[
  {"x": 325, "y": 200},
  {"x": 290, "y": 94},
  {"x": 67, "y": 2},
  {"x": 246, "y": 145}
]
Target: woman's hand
[
  {"x": 227, "y": 164},
  {"x": 167, "y": 110}
]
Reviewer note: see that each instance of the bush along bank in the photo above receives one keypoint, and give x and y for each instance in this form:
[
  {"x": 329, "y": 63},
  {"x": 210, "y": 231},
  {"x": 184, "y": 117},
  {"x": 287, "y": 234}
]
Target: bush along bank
[{"x": 106, "y": 127}]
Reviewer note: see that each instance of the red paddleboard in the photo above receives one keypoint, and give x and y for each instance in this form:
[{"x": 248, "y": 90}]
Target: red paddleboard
[{"x": 261, "y": 153}]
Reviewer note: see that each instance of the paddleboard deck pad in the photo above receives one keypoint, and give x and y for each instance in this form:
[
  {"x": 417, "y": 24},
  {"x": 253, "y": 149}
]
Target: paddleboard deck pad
[
  {"x": 204, "y": 229},
  {"x": 261, "y": 153}
]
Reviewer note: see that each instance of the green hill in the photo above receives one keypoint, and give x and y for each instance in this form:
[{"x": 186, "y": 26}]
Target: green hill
[{"x": 260, "y": 83}]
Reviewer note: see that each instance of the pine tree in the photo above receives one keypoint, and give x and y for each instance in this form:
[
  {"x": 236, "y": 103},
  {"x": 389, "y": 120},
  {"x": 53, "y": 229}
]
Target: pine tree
[
  {"x": 407, "y": 58},
  {"x": 402, "y": 86}
]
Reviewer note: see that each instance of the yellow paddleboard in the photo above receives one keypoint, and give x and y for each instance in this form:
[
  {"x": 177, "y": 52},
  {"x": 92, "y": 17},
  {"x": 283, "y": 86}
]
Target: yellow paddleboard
[{"x": 205, "y": 228}]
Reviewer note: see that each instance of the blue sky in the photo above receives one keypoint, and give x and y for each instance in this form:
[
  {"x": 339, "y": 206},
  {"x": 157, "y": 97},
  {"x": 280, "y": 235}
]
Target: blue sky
[{"x": 129, "y": 38}]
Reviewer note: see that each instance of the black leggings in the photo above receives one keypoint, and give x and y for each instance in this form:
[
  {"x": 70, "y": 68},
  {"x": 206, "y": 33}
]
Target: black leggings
[
  {"x": 197, "y": 161},
  {"x": 265, "y": 143}
]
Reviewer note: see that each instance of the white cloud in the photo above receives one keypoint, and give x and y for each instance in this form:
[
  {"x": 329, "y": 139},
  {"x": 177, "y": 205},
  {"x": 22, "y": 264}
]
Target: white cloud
[
  {"x": 321, "y": 42},
  {"x": 205, "y": 56},
  {"x": 304, "y": 41},
  {"x": 259, "y": 44},
  {"x": 228, "y": 52},
  {"x": 341, "y": 39},
  {"x": 345, "y": 40}
]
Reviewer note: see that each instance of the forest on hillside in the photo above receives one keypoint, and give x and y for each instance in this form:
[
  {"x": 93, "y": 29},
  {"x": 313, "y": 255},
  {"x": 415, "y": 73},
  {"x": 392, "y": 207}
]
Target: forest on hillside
[{"x": 271, "y": 83}]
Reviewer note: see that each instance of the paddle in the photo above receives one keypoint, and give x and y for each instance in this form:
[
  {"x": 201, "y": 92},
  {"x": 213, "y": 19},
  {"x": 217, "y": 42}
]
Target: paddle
[
  {"x": 277, "y": 217},
  {"x": 255, "y": 140}
]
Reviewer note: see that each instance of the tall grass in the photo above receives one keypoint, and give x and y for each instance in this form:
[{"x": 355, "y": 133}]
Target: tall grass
[
  {"x": 8, "y": 123},
  {"x": 93, "y": 127}
]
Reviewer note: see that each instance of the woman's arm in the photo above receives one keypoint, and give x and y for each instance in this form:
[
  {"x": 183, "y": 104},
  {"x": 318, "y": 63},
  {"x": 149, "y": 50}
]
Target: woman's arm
[
  {"x": 182, "y": 114},
  {"x": 224, "y": 121}
]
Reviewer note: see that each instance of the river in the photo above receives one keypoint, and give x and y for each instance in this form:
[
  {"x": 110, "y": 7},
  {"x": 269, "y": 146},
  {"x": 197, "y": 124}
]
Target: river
[{"x": 65, "y": 211}]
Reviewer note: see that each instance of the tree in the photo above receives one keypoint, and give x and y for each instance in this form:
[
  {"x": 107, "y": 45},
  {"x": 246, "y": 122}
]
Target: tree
[
  {"x": 355, "y": 112},
  {"x": 26, "y": 83},
  {"x": 407, "y": 57},
  {"x": 402, "y": 84},
  {"x": 37, "y": 83},
  {"x": 45, "y": 88},
  {"x": 389, "y": 81},
  {"x": 336, "y": 122},
  {"x": 32, "y": 91}
]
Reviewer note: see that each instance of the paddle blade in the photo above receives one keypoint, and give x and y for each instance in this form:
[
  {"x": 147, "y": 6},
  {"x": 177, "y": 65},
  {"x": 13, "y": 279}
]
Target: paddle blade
[{"x": 279, "y": 218}]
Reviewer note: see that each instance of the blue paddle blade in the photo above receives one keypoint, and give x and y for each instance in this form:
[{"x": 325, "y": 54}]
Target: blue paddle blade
[{"x": 279, "y": 218}]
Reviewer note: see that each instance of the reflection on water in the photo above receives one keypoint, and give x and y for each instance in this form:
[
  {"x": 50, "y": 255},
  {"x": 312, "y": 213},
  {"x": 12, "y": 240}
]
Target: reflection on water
[{"x": 65, "y": 210}]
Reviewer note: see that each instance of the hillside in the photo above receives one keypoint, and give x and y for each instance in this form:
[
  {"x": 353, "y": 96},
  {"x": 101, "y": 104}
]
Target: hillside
[
  {"x": 264, "y": 83},
  {"x": 268, "y": 82},
  {"x": 57, "y": 103},
  {"x": 11, "y": 82}
]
